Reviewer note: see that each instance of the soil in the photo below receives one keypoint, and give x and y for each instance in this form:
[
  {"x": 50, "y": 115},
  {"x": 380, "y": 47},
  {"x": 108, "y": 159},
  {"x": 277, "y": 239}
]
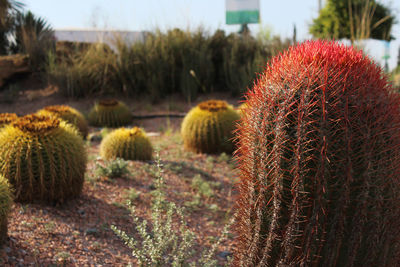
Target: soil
[{"x": 78, "y": 233}]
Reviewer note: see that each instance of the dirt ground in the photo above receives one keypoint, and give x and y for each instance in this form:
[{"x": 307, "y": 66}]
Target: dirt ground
[{"x": 78, "y": 232}]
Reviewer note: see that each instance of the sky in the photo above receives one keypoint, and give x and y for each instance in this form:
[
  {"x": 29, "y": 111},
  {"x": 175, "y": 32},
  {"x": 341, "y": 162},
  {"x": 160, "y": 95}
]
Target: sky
[{"x": 147, "y": 15}]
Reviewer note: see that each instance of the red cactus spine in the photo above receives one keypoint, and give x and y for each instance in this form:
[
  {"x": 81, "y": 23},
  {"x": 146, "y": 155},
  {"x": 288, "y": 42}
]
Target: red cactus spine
[{"x": 319, "y": 161}]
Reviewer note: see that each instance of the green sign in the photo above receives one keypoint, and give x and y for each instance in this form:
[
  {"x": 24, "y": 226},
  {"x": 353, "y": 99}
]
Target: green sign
[{"x": 242, "y": 11}]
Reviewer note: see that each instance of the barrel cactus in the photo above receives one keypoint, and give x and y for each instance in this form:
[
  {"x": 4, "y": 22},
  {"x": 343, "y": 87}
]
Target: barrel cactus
[
  {"x": 5, "y": 205},
  {"x": 208, "y": 127},
  {"x": 43, "y": 158},
  {"x": 128, "y": 144},
  {"x": 68, "y": 114},
  {"x": 110, "y": 113},
  {"x": 318, "y": 157},
  {"x": 6, "y": 118}
]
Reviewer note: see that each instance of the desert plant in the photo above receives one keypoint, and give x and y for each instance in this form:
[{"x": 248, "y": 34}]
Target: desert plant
[
  {"x": 128, "y": 144},
  {"x": 68, "y": 114},
  {"x": 318, "y": 156},
  {"x": 32, "y": 35},
  {"x": 170, "y": 242},
  {"x": 113, "y": 168},
  {"x": 88, "y": 70},
  {"x": 5, "y": 206},
  {"x": 110, "y": 113},
  {"x": 6, "y": 118},
  {"x": 43, "y": 158},
  {"x": 208, "y": 127}
]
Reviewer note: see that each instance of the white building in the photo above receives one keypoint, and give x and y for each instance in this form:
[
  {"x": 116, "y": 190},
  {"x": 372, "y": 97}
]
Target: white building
[{"x": 109, "y": 37}]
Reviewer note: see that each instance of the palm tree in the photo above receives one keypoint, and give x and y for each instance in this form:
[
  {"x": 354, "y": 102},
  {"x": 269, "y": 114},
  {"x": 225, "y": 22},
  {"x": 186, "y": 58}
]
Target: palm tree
[
  {"x": 8, "y": 9},
  {"x": 33, "y": 36}
]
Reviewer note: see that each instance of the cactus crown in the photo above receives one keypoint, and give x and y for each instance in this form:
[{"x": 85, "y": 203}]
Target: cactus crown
[
  {"x": 6, "y": 118},
  {"x": 213, "y": 105},
  {"x": 108, "y": 102},
  {"x": 36, "y": 124},
  {"x": 67, "y": 114},
  {"x": 136, "y": 131}
]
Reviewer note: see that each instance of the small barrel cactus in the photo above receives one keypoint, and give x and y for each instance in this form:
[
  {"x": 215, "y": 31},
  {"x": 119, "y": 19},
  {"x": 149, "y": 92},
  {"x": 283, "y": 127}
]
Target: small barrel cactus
[
  {"x": 207, "y": 128},
  {"x": 319, "y": 162},
  {"x": 43, "y": 158},
  {"x": 6, "y": 118},
  {"x": 110, "y": 113},
  {"x": 68, "y": 114},
  {"x": 128, "y": 144},
  {"x": 5, "y": 206}
]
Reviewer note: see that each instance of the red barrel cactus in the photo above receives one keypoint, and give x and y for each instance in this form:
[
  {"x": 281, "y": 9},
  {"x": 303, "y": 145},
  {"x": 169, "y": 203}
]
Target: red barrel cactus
[{"x": 319, "y": 162}]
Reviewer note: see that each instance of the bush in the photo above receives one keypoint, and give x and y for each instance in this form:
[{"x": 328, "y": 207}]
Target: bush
[
  {"x": 170, "y": 242},
  {"x": 113, "y": 168},
  {"x": 128, "y": 144},
  {"x": 68, "y": 114},
  {"x": 177, "y": 61},
  {"x": 43, "y": 158},
  {"x": 208, "y": 127},
  {"x": 110, "y": 113},
  {"x": 319, "y": 163}
]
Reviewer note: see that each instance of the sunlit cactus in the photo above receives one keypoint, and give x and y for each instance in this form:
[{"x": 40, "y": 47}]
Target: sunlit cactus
[
  {"x": 43, "y": 158},
  {"x": 68, "y": 114},
  {"x": 319, "y": 162},
  {"x": 6, "y": 118},
  {"x": 110, "y": 113},
  {"x": 208, "y": 127},
  {"x": 5, "y": 206},
  {"x": 128, "y": 144}
]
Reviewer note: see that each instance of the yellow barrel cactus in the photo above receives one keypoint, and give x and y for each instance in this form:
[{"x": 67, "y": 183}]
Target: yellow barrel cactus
[
  {"x": 6, "y": 118},
  {"x": 128, "y": 144},
  {"x": 68, "y": 114},
  {"x": 43, "y": 158},
  {"x": 5, "y": 206},
  {"x": 208, "y": 127},
  {"x": 110, "y": 113}
]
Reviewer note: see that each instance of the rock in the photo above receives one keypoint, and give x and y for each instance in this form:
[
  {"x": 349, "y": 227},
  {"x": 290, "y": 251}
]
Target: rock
[
  {"x": 12, "y": 65},
  {"x": 92, "y": 231},
  {"x": 225, "y": 254}
]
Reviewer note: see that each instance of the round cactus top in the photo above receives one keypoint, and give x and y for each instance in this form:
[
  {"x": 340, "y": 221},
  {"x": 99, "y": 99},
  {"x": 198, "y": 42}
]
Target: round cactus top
[
  {"x": 7, "y": 117},
  {"x": 36, "y": 123},
  {"x": 108, "y": 102},
  {"x": 135, "y": 131},
  {"x": 58, "y": 109},
  {"x": 213, "y": 105}
]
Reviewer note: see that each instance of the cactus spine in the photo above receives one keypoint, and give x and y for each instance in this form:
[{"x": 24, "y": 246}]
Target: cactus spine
[{"x": 319, "y": 162}]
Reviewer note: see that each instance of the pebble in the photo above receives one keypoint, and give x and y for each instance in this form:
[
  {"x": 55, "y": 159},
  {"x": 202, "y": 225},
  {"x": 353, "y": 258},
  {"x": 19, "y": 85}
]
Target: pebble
[{"x": 225, "y": 254}]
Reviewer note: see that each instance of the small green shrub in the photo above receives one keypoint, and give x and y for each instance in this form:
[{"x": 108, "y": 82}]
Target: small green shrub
[
  {"x": 201, "y": 186},
  {"x": 113, "y": 168},
  {"x": 170, "y": 242}
]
